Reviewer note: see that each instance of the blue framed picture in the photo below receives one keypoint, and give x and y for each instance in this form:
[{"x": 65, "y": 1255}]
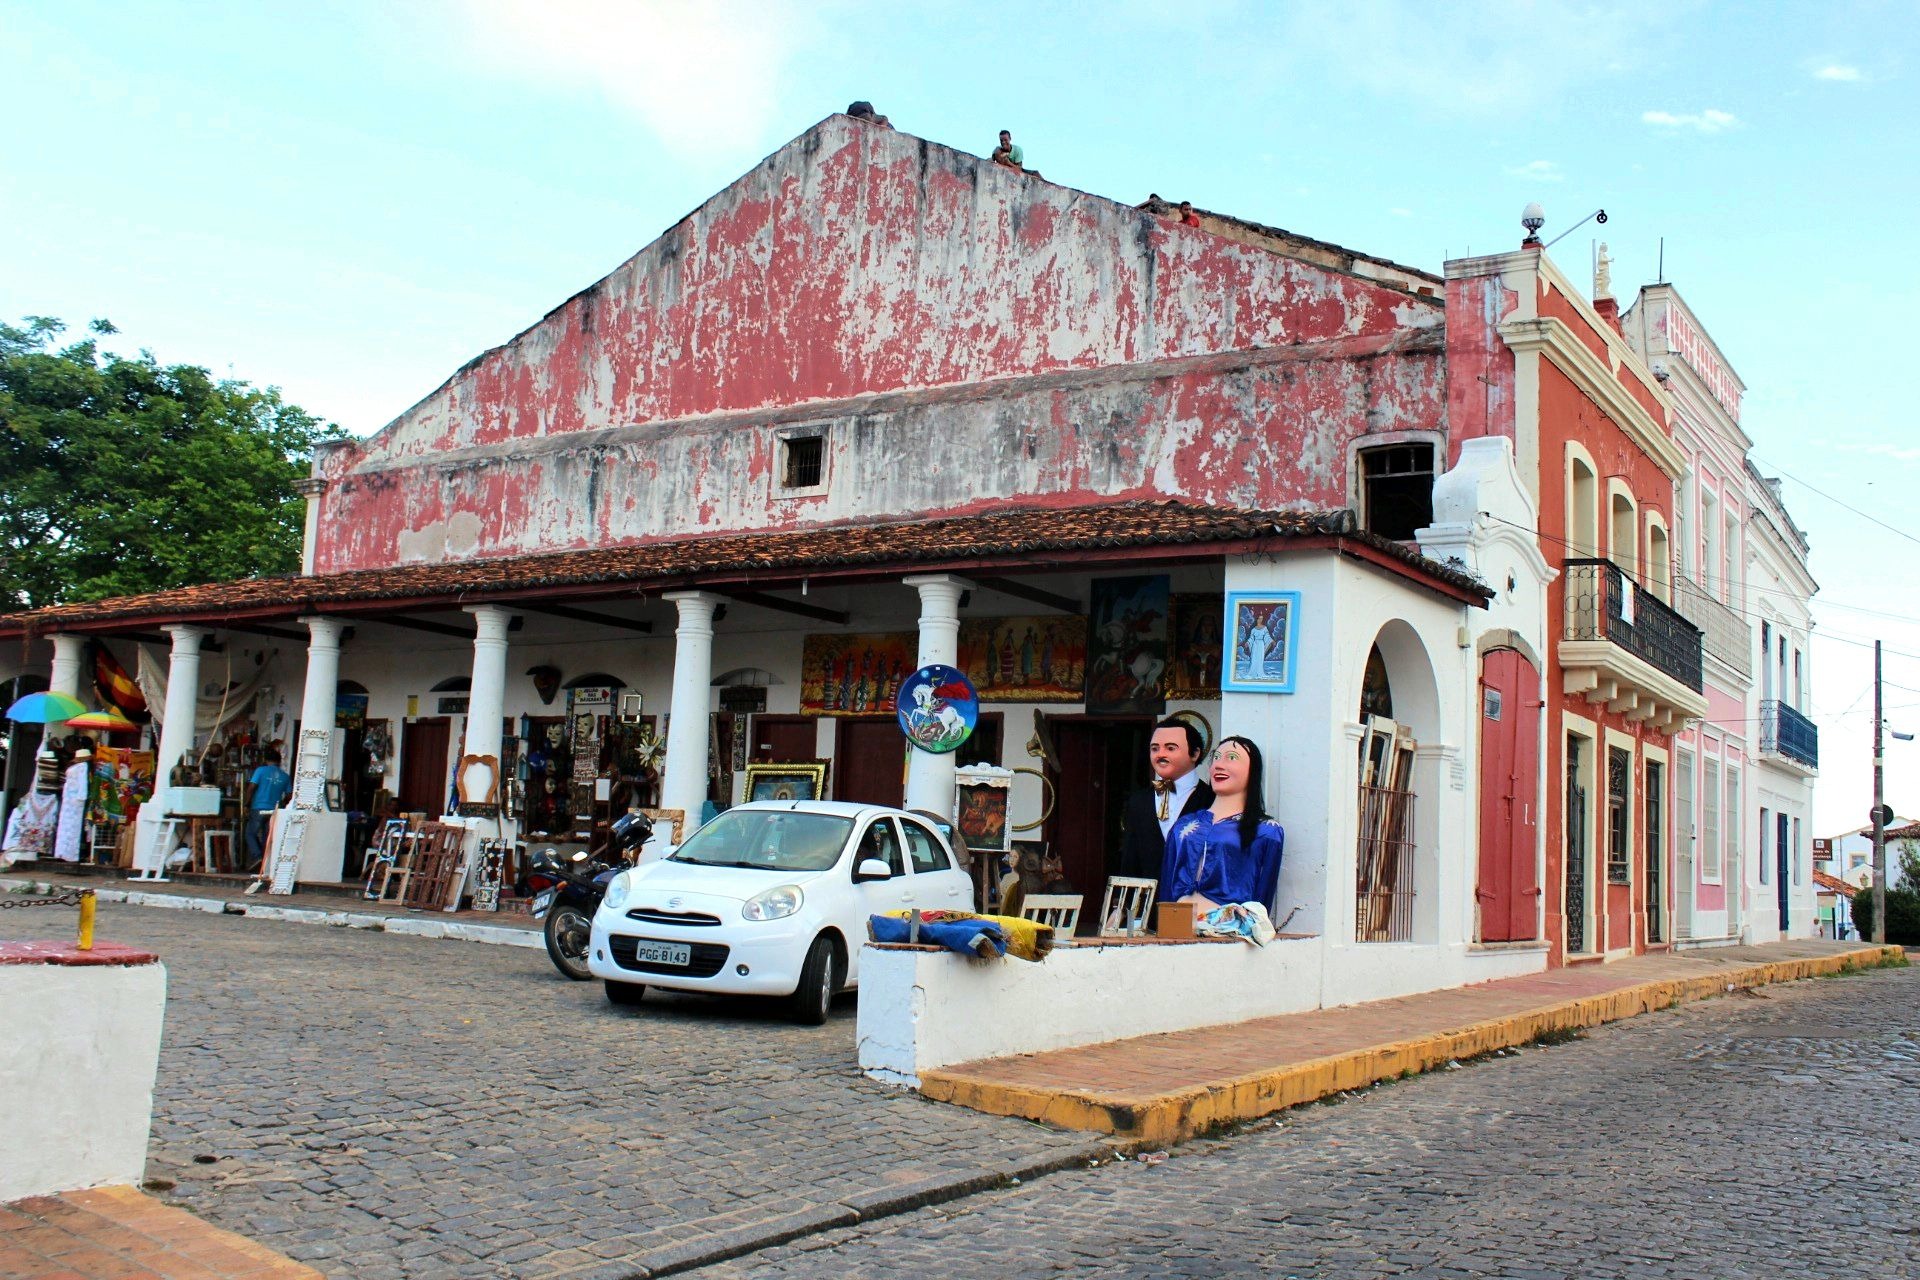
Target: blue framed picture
[
  {"x": 938, "y": 708},
  {"x": 1263, "y": 640}
]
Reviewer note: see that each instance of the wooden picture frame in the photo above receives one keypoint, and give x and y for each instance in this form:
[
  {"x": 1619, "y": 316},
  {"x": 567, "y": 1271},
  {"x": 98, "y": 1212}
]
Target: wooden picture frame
[
  {"x": 787, "y": 780},
  {"x": 981, "y": 804},
  {"x": 671, "y": 823}
]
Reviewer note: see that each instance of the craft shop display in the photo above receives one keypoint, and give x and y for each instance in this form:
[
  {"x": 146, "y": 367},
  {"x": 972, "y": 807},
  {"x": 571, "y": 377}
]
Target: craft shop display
[{"x": 489, "y": 867}]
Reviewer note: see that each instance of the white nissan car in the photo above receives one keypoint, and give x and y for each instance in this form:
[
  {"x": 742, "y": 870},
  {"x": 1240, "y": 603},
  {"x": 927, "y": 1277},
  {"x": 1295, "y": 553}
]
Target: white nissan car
[{"x": 771, "y": 899}]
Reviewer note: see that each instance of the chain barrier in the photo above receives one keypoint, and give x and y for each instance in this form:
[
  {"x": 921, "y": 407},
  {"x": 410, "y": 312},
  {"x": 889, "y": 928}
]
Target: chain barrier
[{"x": 82, "y": 898}]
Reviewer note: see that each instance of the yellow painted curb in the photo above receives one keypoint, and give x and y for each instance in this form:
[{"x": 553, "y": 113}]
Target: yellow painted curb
[{"x": 1175, "y": 1117}]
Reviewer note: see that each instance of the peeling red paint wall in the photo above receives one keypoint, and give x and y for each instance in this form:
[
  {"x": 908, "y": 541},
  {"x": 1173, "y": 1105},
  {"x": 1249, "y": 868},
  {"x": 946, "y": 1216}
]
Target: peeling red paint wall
[{"x": 859, "y": 261}]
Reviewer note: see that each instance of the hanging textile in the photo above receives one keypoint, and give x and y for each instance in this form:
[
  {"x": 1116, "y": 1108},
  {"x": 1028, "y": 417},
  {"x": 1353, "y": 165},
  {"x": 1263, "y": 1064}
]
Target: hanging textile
[
  {"x": 207, "y": 715},
  {"x": 30, "y": 826},
  {"x": 73, "y": 811},
  {"x": 115, "y": 687}
]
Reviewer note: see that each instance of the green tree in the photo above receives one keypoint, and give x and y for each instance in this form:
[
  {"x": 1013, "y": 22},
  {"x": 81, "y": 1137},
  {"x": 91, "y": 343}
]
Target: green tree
[
  {"x": 1903, "y": 903},
  {"x": 122, "y": 475}
]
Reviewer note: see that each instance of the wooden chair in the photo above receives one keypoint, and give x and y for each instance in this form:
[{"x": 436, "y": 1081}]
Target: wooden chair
[
  {"x": 1061, "y": 910},
  {"x": 1128, "y": 907}
]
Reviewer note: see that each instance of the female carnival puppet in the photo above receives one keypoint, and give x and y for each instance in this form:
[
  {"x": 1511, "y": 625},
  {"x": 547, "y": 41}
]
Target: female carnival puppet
[{"x": 1229, "y": 852}]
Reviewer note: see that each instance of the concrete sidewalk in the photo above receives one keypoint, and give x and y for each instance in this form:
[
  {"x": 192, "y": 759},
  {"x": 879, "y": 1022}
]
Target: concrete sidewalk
[
  {"x": 1170, "y": 1087},
  {"x": 116, "y": 1233},
  {"x": 498, "y": 928}
]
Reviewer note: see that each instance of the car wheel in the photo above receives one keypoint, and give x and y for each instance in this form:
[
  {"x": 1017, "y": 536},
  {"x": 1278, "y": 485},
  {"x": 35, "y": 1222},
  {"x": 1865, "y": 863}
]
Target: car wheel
[
  {"x": 625, "y": 993},
  {"x": 819, "y": 979},
  {"x": 568, "y": 930}
]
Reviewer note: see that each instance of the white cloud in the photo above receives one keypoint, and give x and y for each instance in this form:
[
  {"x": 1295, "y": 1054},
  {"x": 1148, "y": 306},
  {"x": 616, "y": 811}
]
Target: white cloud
[
  {"x": 1473, "y": 57},
  {"x": 1839, "y": 71},
  {"x": 1401, "y": 213},
  {"x": 1537, "y": 171},
  {"x": 1708, "y": 121},
  {"x": 703, "y": 75}
]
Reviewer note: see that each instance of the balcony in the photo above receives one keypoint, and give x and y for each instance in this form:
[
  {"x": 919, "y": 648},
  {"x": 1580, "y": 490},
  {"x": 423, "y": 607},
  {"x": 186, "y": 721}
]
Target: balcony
[
  {"x": 1729, "y": 638},
  {"x": 1626, "y": 650},
  {"x": 1785, "y": 732}
]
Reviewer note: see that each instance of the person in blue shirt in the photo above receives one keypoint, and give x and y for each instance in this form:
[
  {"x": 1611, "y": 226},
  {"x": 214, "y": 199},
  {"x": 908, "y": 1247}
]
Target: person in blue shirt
[
  {"x": 270, "y": 786},
  {"x": 1229, "y": 851}
]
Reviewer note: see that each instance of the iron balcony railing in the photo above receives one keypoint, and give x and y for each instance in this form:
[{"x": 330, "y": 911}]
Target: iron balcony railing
[
  {"x": 1728, "y": 635},
  {"x": 1786, "y": 732},
  {"x": 1604, "y": 604}
]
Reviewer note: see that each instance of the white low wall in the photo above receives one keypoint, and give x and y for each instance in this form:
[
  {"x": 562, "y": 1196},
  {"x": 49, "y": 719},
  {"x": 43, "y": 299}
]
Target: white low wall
[
  {"x": 1358, "y": 972},
  {"x": 78, "y": 1056},
  {"x": 922, "y": 1009}
]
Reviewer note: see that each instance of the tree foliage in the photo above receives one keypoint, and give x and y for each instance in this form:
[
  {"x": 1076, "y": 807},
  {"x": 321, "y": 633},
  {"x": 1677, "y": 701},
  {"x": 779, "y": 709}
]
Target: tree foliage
[
  {"x": 1903, "y": 904},
  {"x": 122, "y": 475}
]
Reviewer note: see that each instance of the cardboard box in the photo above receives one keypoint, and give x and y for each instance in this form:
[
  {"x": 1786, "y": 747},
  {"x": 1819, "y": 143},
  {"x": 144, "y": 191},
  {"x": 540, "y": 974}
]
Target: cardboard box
[{"x": 1173, "y": 919}]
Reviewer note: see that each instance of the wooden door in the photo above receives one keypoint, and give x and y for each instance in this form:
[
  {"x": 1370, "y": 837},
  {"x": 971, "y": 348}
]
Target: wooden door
[
  {"x": 784, "y": 738},
  {"x": 1509, "y": 789},
  {"x": 1100, "y": 761},
  {"x": 869, "y": 760},
  {"x": 424, "y": 779}
]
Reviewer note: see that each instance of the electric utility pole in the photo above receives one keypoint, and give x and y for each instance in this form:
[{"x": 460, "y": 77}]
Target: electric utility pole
[{"x": 1879, "y": 812}]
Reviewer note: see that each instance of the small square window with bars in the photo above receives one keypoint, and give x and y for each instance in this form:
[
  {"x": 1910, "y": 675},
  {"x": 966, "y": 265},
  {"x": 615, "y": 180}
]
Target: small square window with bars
[
  {"x": 1397, "y": 489},
  {"x": 803, "y": 462}
]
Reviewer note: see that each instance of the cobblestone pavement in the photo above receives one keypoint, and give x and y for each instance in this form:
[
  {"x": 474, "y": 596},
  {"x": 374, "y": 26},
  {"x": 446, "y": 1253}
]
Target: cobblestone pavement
[
  {"x": 1766, "y": 1135},
  {"x": 381, "y": 1106}
]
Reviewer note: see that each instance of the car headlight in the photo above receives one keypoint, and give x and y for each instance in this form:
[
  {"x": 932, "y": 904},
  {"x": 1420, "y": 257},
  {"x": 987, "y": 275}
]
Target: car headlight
[
  {"x": 617, "y": 890},
  {"x": 776, "y": 903}
]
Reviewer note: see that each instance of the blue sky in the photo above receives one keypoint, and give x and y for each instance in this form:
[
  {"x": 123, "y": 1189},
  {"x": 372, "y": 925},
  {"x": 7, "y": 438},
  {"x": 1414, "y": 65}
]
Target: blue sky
[{"x": 349, "y": 200}]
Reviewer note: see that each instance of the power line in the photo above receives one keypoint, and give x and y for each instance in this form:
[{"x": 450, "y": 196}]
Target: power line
[{"x": 1835, "y": 501}]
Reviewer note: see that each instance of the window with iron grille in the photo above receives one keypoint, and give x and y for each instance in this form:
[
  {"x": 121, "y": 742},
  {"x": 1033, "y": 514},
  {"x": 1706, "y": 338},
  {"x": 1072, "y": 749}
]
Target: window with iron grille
[
  {"x": 1396, "y": 488},
  {"x": 803, "y": 462},
  {"x": 1619, "y": 816}
]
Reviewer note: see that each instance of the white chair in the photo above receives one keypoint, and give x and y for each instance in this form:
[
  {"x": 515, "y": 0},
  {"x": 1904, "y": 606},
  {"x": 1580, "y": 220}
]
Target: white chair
[
  {"x": 1128, "y": 906},
  {"x": 1061, "y": 910}
]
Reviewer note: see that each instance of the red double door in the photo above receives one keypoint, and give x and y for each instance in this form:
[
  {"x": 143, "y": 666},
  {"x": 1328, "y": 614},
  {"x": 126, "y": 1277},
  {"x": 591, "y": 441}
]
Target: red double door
[{"x": 1509, "y": 889}]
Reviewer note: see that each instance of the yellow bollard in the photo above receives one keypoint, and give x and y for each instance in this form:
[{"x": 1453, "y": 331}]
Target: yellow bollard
[{"x": 86, "y": 921}]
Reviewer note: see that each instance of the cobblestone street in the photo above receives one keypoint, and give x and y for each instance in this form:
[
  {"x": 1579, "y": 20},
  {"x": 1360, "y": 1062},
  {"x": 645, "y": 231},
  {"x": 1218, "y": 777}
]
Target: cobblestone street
[
  {"x": 381, "y": 1106},
  {"x": 1767, "y": 1135}
]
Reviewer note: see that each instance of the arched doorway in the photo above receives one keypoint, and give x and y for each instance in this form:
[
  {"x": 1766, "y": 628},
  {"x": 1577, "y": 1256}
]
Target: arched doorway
[
  {"x": 1509, "y": 886},
  {"x": 1395, "y": 871}
]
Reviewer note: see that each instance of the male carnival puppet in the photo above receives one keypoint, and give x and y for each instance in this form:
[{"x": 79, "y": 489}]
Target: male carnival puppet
[{"x": 1176, "y": 790}]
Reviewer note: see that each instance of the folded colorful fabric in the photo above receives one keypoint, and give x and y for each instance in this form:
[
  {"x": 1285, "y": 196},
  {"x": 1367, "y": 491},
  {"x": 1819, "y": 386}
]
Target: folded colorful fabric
[{"x": 1021, "y": 939}]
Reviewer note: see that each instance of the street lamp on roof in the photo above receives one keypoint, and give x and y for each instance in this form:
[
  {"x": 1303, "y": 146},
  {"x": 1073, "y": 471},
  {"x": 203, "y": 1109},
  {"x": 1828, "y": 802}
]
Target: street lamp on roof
[{"x": 1533, "y": 217}]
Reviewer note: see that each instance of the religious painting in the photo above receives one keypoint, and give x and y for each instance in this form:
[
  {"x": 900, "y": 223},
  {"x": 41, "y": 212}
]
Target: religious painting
[
  {"x": 1127, "y": 635},
  {"x": 855, "y": 675},
  {"x": 981, "y": 802},
  {"x": 1042, "y": 659},
  {"x": 1193, "y": 674},
  {"x": 937, "y": 708},
  {"x": 1263, "y": 637},
  {"x": 788, "y": 780}
]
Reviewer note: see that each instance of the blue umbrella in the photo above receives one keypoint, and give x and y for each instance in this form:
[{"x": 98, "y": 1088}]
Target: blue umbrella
[{"x": 46, "y": 708}]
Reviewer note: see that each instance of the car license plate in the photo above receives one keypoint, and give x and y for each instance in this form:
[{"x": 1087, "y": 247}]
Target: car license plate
[
  {"x": 663, "y": 952},
  {"x": 541, "y": 901}
]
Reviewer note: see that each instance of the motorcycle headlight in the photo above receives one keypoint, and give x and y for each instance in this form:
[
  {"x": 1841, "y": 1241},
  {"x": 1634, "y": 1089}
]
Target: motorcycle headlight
[
  {"x": 776, "y": 903},
  {"x": 617, "y": 890}
]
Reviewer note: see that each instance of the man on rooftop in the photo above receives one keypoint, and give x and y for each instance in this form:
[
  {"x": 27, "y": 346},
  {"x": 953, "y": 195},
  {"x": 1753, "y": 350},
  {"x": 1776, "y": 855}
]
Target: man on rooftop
[{"x": 1008, "y": 154}]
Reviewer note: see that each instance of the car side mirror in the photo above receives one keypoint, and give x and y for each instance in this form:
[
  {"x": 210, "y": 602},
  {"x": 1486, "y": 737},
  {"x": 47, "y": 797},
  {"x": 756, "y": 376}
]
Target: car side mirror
[{"x": 871, "y": 869}]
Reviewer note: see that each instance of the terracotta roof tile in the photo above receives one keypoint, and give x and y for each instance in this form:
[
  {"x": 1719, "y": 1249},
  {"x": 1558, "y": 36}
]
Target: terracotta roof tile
[
  {"x": 1021, "y": 533},
  {"x": 1832, "y": 884}
]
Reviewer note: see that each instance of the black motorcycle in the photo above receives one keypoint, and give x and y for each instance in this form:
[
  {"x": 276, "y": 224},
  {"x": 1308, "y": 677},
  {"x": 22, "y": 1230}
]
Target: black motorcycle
[{"x": 567, "y": 890}]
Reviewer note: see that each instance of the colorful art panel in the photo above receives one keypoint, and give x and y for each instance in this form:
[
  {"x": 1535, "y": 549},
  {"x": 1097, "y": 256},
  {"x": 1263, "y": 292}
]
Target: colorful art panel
[
  {"x": 1264, "y": 639},
  {"x": 1127, "y": 645},
  {"x": 855, "y": 675},
  {"x": 1194, "y": 672},
  {"x": 1040, "y": 659}
]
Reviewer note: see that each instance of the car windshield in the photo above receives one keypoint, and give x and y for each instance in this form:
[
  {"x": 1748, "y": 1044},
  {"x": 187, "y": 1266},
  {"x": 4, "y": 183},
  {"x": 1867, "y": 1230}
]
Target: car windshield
[{"x": 768, "y": 839}]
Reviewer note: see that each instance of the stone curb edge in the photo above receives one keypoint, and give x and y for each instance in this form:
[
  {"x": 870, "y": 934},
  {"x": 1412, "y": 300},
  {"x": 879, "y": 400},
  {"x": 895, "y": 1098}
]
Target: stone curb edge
[
  {"x": 1188, "y": 1113},
  {"x": 408, "y": 926},
  {"x": 866, "y": 1206}
]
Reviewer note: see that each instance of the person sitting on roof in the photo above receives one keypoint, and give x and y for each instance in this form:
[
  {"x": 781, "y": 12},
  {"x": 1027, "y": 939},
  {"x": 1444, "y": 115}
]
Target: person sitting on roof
[
  {"x": 1188, "y": 218},
  {"x": 863, "y": 110},
  {"x": 1008, "y": 154}
]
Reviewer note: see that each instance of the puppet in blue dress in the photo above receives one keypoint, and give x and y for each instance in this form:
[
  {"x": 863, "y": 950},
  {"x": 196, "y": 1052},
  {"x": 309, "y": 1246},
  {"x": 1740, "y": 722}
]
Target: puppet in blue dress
[{"x": 1231, "y": 851}]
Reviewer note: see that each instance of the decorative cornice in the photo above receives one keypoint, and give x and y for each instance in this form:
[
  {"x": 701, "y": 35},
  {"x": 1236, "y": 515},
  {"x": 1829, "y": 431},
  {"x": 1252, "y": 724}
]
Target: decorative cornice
[{"x": 1554, "y": 338}]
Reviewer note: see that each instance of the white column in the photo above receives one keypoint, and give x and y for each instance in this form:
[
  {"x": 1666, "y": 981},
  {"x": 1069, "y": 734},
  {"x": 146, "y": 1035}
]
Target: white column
[
  {"x": 320, "y": 701},
  {"x": 176, "y": 729},
  {"x": 930, "y": 775},
  {"x": 685, "y": 786},
  {"x": 487, "y": 698},
  {"x": 67, "y": 654}
]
